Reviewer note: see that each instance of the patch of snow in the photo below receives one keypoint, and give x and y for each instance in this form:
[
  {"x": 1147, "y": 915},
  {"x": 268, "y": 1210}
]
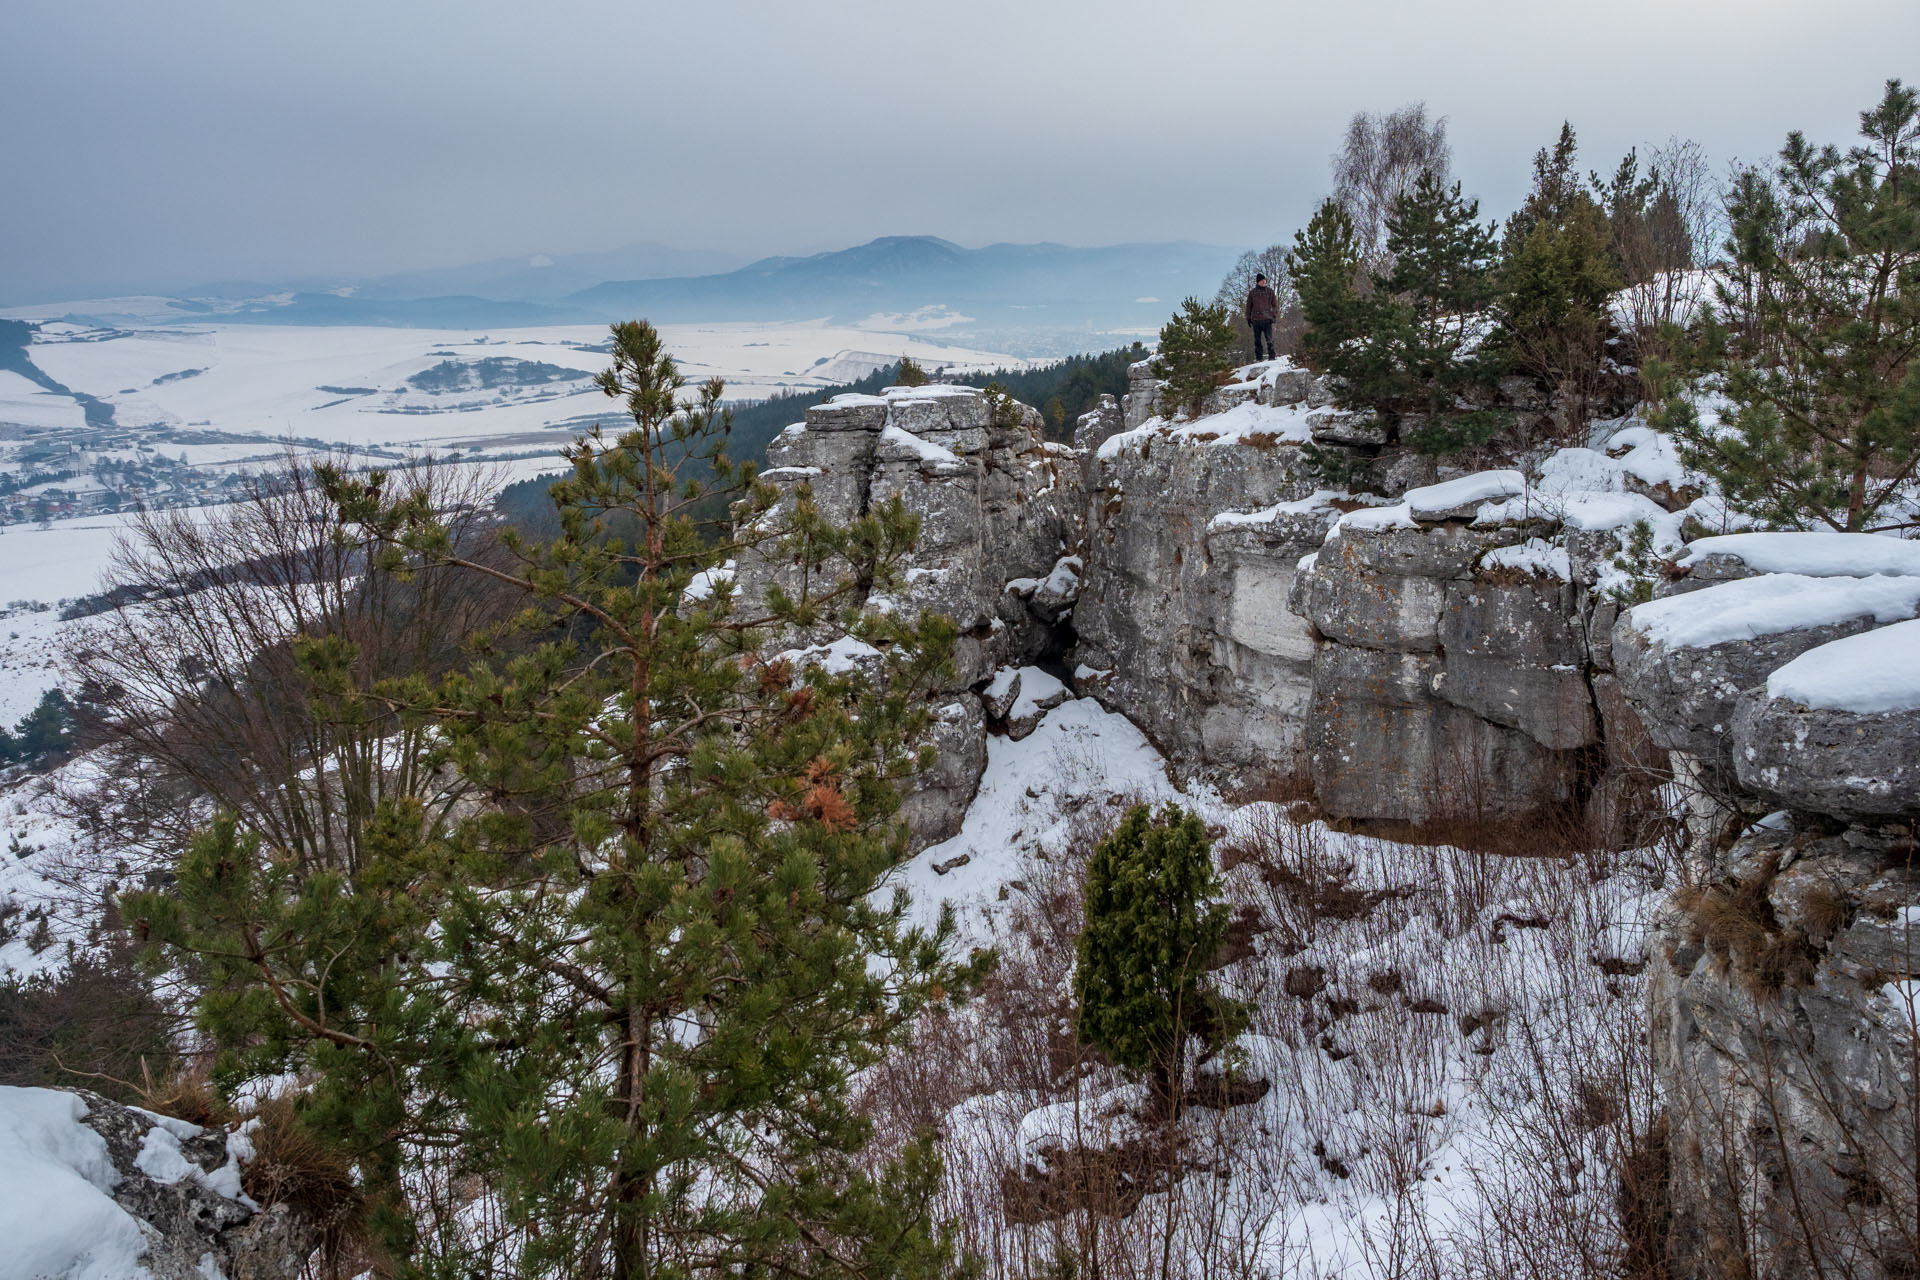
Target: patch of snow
[
  {"x": 58, "y": 1220},
  {"x": 1819, "y": 555},
  {"x": 1434, "y": 500},
  {"x": 1769, "y": 605},
  {"x": 925, "y": 450},
  {"x": 1080, "y": 755},
  {"x": 1580, "y": 471},
  {"x": 705, "y": 581},
  {"x": 1318, "y": 500},
  {"x": 1248, "y": 422},
  {"x": 1873, "y": 672},
  {"x": 839, "y": 658},
  {"x": 1101, "y": 1122},
  {"x": 1397, "y": 516},
  {"x": 161, "y": 1159},
  {"x": 1535, "y": 556}
]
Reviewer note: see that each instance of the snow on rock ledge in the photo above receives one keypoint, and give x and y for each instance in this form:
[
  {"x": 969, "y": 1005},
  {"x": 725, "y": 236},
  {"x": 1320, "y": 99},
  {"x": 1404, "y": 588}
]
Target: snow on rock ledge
[
  {"x": 1818, "y": 555},
  {"x": 93, "y": 1190},
  {"x": 1686, "y": 660},
  {"x": 1837, "y": 729}
]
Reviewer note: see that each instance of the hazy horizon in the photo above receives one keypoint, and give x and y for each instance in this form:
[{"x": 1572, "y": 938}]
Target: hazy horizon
[{"x": 160, "y": 148}]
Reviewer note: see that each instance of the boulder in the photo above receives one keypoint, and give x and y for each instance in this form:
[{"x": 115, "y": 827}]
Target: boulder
[
  {"x": 1837, "y": 730},
  {"x": 936, "y": 804},
  {"x": 1686, "y": 660},
  {"x": 97, "y": 1188}
]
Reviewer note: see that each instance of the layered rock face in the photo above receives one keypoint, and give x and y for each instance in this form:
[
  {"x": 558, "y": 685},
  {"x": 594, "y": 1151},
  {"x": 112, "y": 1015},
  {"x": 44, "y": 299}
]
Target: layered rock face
[
  {"x": 1435, "y": 659},
  {"x": 1192, "y": 546},
  {"x": 1448, "y": 684},
  {"x": 1000, "y": 512},
  {"x": 1782, "y": 983}
]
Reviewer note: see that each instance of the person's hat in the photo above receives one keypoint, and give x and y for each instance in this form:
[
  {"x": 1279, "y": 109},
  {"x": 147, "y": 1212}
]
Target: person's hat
[{"x": 1259, "y": 279}]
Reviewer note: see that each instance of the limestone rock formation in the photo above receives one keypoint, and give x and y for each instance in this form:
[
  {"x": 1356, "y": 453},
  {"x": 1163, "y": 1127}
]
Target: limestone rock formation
[
  {"x": 1193, "y": 539},
  {"x": 1782, "y": 990},
  {"x": 1781, "y": 1001},
  {"x": 1000, "y": 510},
  {"x": 1448, "y": 685},
  {"x": 1423, "y": 661}
]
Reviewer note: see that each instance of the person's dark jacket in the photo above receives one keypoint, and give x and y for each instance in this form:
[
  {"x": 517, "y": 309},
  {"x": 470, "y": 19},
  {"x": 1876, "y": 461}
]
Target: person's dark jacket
[{"x": 1263, "y": 305}]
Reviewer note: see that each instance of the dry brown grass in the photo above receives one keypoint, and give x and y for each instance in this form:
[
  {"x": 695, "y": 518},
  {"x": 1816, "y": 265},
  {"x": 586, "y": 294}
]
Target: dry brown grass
[
  {"x": 186, "y": 1093},
  {"x": 294, "y": 1166},
  {"x": 1735, "y": 921}
]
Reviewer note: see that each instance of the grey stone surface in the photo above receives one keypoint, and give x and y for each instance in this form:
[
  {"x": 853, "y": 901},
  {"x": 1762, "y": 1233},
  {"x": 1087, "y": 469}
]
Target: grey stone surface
[
  {"x": 1790, "y": 1103},
  {"x": 1687, "y": 695},
  {"x": 997, "y": 503},
  {"x": 1187, "y": 619},
  {"x": 1515, "y": 656},
  {"x": 1383, "y": 748},
  {"x": 1351, "y": 427},
  {"x": 188, "y": 1221},
  {"x": 1845, "y": 763},
  {"x": 937, "y": 803}
]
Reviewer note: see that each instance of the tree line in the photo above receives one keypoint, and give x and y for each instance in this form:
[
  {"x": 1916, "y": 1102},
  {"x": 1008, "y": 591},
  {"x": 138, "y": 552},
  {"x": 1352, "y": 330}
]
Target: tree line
[{"x": 1786, "y": 294}]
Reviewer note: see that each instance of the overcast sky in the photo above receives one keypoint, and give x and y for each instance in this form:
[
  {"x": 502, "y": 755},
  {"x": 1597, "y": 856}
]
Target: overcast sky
[{"x": 155, "y": 145}]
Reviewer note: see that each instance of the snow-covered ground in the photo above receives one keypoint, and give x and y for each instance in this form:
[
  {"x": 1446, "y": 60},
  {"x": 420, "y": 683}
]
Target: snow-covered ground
[
  {"x": 1454, "y": 1042},
  {"x": 352, "y": 386}
]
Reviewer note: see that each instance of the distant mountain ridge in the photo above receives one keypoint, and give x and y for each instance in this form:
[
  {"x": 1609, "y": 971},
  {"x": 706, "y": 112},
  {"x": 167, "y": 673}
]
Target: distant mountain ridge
[
  {"x": 1039, "y": 296},
  {"x": 1114, "y": 286}
]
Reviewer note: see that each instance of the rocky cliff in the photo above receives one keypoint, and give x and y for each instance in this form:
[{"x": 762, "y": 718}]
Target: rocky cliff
[
  {"x": 1440, "y": 657},
  {"x": 1784, "y": 673},
  {"x": 1444, "y": 656},
  {"x": 1001, "y": 519}
]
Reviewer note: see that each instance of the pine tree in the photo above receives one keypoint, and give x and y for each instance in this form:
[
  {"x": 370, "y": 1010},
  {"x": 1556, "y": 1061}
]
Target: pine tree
[
  {"x": 1197, "y": 346},
  {"x": 1325, "y": 268},
  {"x": 1557, "y": 278},
  {"x": 1152, "y": 930},
  {"x": 1821, "y": 300},
  {"x": 910, "y": 374},
  {"x": 1432, "y": 316},
  {"x": 626, "y": 998},
  {"x": 1405, "y": 342}
]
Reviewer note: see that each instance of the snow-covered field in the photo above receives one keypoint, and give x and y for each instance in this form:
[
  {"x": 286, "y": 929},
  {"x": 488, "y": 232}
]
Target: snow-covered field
[{"x": 352, "y": 386}]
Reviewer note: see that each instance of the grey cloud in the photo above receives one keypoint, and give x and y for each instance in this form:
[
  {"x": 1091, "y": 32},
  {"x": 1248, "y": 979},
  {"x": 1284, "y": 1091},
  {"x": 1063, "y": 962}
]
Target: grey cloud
[{"x": 159, "y": 145}]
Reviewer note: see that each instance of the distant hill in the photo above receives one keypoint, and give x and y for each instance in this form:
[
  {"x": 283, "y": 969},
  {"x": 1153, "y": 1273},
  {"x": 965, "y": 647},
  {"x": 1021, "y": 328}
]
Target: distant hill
[
  {"x": 540, "y": 278},
  {"x": 1022, "y": 285},
  {"x": 1027, "y": 299}
]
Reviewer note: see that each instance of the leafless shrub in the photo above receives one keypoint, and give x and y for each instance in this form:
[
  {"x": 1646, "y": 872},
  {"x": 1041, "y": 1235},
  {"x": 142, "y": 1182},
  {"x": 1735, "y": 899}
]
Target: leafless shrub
[
  {"x": 1456, "y": 1077},
  {"x": 203, "y": 694}
]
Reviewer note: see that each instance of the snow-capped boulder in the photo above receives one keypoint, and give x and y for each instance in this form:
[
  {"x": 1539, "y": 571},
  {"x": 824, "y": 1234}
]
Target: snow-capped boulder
[
  {"x": 1837, "y": 729},
  {"x": 1686, "y": 660},
  {"x": 94, "y": 1190},
  {"x": 1813, "y": 555}
]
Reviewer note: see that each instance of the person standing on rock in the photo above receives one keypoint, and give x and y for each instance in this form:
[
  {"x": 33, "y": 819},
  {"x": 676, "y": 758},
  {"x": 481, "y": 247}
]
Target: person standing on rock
[{"x": 1263, "y": 308}]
